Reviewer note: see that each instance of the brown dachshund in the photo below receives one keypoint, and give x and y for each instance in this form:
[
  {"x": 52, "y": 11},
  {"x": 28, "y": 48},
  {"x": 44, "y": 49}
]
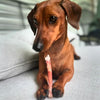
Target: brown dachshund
[{"x": 48, "y": 22}]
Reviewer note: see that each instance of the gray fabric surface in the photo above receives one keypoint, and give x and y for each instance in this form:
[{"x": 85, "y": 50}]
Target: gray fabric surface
[
  {"x": 16, "y": 54},
  {"x": 85, "y": 85},
  {"x": 25, "y": 35}
]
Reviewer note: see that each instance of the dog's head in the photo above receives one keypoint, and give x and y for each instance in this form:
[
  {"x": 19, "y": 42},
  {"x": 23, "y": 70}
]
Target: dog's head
[{"x": 48, "y": 21}]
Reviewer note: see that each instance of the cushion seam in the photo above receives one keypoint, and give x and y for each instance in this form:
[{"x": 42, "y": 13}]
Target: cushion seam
[{"x": 18, "y": 65}]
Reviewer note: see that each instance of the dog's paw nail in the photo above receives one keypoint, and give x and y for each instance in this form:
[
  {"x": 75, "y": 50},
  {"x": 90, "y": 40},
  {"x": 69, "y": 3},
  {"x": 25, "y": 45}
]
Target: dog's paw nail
[{"x": 57, "y": 93}]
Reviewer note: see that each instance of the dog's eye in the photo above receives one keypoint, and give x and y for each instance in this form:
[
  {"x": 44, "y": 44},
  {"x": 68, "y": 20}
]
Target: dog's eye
[
  {"x": 52, "y": 19},
  {"x": 35, "y": 21}
]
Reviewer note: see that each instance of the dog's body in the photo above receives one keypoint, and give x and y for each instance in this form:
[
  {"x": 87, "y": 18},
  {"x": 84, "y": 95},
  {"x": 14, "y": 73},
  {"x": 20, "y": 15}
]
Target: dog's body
[{"x": 48, "y": 22}]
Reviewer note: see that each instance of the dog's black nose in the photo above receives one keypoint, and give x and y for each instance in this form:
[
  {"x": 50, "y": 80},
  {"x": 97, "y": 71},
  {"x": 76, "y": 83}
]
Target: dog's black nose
[{"x": 38, "y": 46}]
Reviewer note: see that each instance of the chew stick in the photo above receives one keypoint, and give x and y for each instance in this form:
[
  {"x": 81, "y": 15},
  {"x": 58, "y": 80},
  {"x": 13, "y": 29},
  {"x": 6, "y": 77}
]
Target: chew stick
[{"x": 49, "y": 69}]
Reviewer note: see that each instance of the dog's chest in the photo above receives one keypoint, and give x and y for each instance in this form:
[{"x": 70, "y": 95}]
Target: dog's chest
[
  {"x": 56, "y": 71},
  {"x": 57, "y": 66}
]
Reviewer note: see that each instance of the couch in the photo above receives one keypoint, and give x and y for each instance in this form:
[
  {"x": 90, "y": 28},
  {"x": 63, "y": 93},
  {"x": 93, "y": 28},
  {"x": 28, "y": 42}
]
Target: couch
[{"x": 19, "y": 68}]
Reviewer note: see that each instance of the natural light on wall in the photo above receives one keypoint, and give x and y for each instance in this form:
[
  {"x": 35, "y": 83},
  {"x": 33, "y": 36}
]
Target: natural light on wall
[{"x": 13, "y": 15}]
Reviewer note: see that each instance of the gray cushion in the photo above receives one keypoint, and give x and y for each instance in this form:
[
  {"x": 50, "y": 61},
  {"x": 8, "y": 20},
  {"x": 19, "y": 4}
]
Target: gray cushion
[
  {"x": 16, "y": 55},
  {"x": 25, "y": 35}
]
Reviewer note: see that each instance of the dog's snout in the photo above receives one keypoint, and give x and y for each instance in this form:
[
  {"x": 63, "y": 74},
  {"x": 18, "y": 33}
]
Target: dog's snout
[{"x": 38, "y": 46}]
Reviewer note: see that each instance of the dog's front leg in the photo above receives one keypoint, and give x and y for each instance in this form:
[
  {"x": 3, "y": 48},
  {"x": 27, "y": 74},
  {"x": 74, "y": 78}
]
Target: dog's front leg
[
  {"x": 42, "y": 79},
  {"x": 58, "y": 86},
  {"x": 42, "y": 92}
]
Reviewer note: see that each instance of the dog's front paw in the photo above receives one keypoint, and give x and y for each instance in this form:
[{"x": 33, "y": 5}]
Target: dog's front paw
[
  {"x": 42, "y": 94},
  {"x": 57, "y": 91}
]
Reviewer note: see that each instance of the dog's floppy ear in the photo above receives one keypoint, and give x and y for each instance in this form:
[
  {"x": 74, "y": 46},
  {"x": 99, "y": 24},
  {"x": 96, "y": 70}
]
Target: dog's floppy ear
[
  {"x": 30, "y": 19},
  {"x": 73, "y": 12}
]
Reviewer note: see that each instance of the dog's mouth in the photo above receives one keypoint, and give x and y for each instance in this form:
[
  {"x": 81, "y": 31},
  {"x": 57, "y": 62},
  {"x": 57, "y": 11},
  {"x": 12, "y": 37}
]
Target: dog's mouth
[{"x": 40, "y": 47}]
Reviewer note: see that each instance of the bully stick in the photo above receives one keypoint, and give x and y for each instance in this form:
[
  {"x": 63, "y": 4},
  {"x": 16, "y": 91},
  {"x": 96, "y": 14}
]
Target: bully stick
[{"x": 49, "y": 69}]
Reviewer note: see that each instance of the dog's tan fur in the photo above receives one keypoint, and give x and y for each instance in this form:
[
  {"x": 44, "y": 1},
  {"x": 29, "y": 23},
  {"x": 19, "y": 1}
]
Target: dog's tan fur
[{"x": 56, "y": 43}]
